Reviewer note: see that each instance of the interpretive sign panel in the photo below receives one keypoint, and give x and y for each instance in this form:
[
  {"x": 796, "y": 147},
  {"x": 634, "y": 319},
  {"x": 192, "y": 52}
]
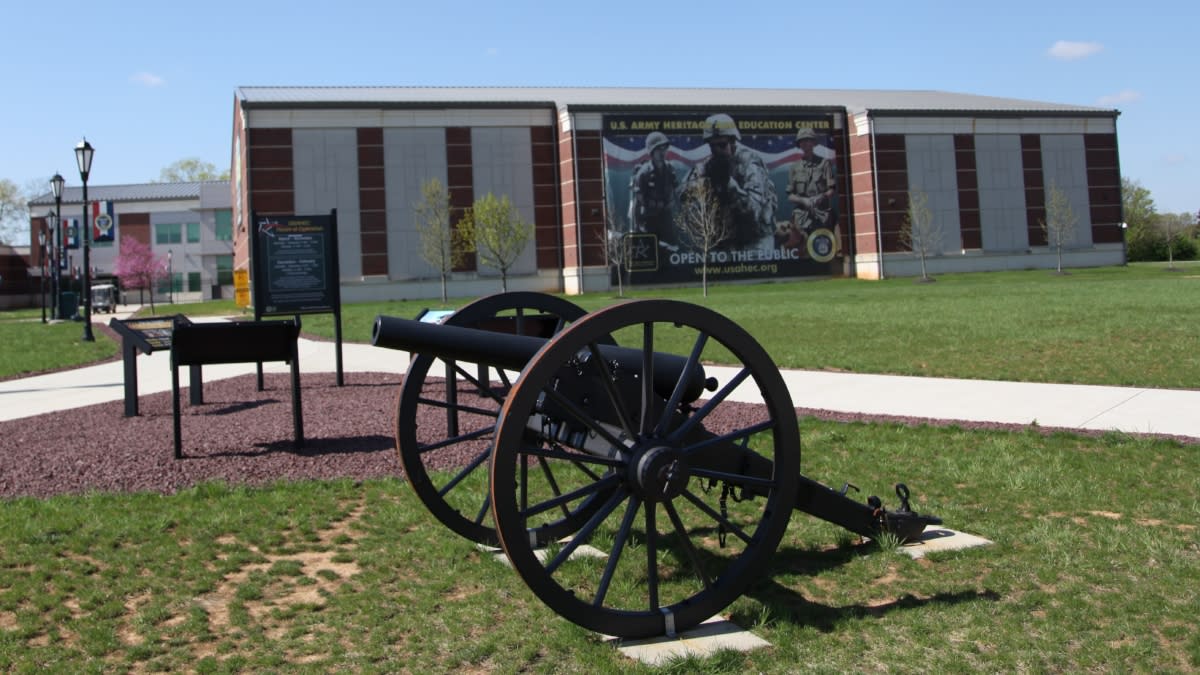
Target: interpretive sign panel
[
  {"x": 296, "y": 268},
  {"x": 148, "y": 336}
]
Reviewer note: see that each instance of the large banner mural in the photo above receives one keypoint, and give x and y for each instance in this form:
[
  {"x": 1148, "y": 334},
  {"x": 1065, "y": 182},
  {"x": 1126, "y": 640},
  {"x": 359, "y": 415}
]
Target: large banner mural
[{"x": 754, "y": 194}]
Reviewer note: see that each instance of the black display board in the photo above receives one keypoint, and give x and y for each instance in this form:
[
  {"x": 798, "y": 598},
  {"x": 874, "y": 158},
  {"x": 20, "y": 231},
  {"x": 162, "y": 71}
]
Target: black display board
[{"x": 294, "y": 263}]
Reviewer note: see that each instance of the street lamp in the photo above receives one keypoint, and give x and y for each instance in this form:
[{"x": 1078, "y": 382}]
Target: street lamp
[
  {"x": 56, "y": 184},
  {"x": 42, "y": 260},
  {"x": 83, "y": 156},
  {"x": 170, "y": 277}
]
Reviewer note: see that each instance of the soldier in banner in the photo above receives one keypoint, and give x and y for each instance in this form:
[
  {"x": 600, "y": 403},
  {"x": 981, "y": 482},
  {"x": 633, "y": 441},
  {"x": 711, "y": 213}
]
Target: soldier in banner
[
  {"x": 653, "y": 191},
  {"x": 811, "y": 188},
  {"x": 738, "y": 177}
]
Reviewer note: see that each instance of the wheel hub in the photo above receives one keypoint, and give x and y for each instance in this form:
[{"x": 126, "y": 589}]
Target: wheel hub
[{"x": 659, "y": 474}]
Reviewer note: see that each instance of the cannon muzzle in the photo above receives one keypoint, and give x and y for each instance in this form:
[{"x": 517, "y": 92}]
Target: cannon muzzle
[{"x": 513, "y": 352}]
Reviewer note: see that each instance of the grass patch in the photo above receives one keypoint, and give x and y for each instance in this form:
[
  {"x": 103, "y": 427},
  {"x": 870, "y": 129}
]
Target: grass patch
[
  {"x": 1128, "y": 326},
  {"x": 1093, "y": 568},
  {"x": 29, "y": 346}
]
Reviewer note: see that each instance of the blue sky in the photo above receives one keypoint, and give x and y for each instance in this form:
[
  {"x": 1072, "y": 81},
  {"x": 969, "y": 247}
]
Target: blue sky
[{"x": 149, "y": 83}]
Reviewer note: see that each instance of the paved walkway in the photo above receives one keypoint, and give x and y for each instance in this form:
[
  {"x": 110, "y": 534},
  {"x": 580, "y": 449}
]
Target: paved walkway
[{"x": 1129, "y": 409}]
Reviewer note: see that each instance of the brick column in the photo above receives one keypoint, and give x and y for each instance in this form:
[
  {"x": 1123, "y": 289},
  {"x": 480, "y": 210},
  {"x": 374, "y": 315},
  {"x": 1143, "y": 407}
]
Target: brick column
[{"x": 372, "y": 202}]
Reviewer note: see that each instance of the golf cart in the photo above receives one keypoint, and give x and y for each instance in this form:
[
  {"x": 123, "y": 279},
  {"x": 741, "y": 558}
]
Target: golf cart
[{"x": 104, "y": 298}]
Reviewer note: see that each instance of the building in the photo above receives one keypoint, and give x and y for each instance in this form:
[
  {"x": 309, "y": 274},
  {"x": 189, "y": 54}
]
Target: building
[
  {"x": 187, "y": 225},
  {"x": 821, "y": 186}
]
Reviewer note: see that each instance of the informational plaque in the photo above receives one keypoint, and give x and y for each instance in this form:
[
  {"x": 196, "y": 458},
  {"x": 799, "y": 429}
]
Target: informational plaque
[
  {"x": 296, "y": 269},
  {"x": 149, "y": 335}
]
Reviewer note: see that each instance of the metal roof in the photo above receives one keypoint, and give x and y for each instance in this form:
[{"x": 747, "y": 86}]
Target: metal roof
[
  {"x": 139, "y": 192},
  {"x": 853, "y": 100}
]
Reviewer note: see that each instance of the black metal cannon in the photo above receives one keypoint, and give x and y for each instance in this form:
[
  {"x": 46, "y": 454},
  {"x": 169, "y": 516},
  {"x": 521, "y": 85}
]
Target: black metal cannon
[{"x": 632, "y": 487}]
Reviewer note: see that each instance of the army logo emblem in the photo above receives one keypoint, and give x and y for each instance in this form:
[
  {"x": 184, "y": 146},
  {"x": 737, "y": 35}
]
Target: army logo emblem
[
  {"x": 822, "y": 247},
  {"x": 104, "y": 223}
]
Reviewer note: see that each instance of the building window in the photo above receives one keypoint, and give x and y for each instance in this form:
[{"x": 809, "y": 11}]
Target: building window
[
  {"x": 193, "y": 285},
  {"x": 225, "y": 270},
  {"x": 193, "y": 233},
  {"x": 171, "y": 284},
  {"x": 168, "y": 233},
  {"x": 224, "y": 229}
]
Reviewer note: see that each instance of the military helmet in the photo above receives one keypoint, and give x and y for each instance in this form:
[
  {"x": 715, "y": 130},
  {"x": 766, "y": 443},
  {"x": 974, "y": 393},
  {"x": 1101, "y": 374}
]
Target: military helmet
[
  {"x": 805, "y": 134},
  {"x": 655, "y": 140},
  {"x": 720, "y": 125}
]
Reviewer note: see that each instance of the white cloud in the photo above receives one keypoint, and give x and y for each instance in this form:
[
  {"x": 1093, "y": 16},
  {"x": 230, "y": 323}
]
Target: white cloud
[
  {"x": 492, "y": 52},
  {"x": 1123, "y": 96},
  {"x": 147, "y": 79},
  {"x": 1067, "y": 50}
]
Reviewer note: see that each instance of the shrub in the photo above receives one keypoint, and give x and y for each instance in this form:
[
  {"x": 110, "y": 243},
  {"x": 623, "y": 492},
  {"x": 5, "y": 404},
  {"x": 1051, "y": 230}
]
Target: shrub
[{"x": 1148, "y": 244}]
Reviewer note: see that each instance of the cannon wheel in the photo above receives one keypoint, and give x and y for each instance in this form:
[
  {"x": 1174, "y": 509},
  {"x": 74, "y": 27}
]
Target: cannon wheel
[
  {"x": 675, "y": 541},
  {"x": 463, "y": 439}
]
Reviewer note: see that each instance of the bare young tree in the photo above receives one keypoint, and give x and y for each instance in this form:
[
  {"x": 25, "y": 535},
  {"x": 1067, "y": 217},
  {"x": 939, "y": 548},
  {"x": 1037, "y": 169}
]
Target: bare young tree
[
  {"x": 1171, "y": 225},
  {"x": 702, "y": 224},
  {"x": 442, "y": 246},
  {"x": 498, "y": 232},
  {"x": 618, "y": 253},
  {"x": 1059, "y": 223},
  {"x": 921, "y": 233}
]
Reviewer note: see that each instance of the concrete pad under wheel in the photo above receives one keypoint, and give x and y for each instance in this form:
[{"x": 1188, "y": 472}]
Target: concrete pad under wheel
[
  {"x": 584, "y": 551},
  {"x": 936, "y": 538},
  {"x": 704, "y": 640}
]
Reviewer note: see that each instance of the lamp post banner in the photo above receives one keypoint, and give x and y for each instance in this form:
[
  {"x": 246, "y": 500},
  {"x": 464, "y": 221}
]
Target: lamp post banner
[
  {"x": 104, "y": 225},
  {"x": 754, "y": 194},
  {"x": 70, "y": 233}
]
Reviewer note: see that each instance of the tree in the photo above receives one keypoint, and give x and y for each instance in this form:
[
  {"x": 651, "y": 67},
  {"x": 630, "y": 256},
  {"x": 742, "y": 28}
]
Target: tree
[
  {"x": 190, "y": 170},
  {"x": 442, "y": 246},
  {"x": 702, "y": 224},
  {"x": 1136, "y": 204},
  {"x": 14, "y": 214},
  {"x": 138, "y": 267},
  {"x": 618, "y": 253},
  {"x": 1173, "y": 226},
  {"x": 1059, "y": 223},
  {"x": 921, "y": 232},
  {"x": 1139, "y": 212},
  {"x": 499, "y": 233}
]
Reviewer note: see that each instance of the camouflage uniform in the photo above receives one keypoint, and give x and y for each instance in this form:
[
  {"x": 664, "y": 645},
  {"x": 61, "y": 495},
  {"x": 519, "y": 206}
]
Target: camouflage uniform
[
  {"x": 652, "y": 195},
  {"x": 811, "y": 178},
  {"x": 747, "y": 197}
]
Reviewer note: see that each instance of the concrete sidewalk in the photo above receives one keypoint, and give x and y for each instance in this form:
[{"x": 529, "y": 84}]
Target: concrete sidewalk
[{"x": 1128, "y": 409}]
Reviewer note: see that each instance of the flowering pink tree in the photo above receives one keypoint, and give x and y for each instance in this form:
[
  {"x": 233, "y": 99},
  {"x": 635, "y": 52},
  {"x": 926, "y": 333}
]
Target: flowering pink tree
[{"x": 138, "y": 267}]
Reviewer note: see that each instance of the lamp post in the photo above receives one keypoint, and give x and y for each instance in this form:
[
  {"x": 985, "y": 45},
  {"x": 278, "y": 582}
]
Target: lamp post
[
  {"x": 170, "y": 277},
  {"x": 83, "y": 156},
  {"x": 56, "y": 184},
  {"x": 42, "y": 261}
]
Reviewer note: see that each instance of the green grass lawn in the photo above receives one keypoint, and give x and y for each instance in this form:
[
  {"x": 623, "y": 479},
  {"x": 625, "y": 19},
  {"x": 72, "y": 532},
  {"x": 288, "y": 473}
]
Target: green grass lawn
[
  {"x": 1093, "y": 569},
  {"x": 1132, "y": 325}
]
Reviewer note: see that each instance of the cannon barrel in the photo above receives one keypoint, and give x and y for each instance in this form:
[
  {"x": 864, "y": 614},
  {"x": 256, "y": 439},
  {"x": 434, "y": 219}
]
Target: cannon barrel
[{"x": 513, "y": 352}]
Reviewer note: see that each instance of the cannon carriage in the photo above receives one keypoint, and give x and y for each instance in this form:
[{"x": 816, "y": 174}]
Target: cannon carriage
[{"x": 636, "y": 489}]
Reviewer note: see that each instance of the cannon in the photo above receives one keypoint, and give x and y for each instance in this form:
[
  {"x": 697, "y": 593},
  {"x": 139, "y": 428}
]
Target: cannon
[{"x": 629, "y": 482}]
